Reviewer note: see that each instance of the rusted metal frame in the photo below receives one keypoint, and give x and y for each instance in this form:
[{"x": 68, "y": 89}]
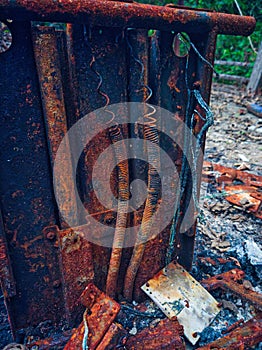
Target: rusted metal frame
[
  {"x": 244, "y": 337},
  {"x": 118, "y": 14},
  {"x": 27, "y": 200},
  {"x": 230, "y": 281}
]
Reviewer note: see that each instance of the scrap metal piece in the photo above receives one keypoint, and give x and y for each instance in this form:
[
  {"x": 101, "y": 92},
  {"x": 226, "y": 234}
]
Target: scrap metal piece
[
  {"x": 102, "y": 312},
  {"x": 167, "y": 334},
  {"x": 177, "y": 293},
  {"x": 232, "y": 281},
  {"x": 248, "y": 335},
  {"x": 246, "y": 195},
  {"x": 113, "y": 337},
  {"x": 75, "y": 342}
]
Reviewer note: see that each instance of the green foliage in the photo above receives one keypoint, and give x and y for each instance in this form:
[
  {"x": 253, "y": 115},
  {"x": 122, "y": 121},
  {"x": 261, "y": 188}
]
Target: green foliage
[{"x": 231, "y": 48}]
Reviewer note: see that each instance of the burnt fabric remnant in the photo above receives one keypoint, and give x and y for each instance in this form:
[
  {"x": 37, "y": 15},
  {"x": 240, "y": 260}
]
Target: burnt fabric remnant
[{"x": 67, "y": 60}]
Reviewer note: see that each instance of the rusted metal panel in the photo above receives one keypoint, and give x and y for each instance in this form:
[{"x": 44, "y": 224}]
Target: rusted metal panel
[
  {"x": 244, "y": 337},
  {"x": 167, "y": 334},
  {"x": 122, "y": 14},
  {"x": 99, "y": 57},
  {"x": 27, "y": 200},
  {"x": 231, "y": 281}
]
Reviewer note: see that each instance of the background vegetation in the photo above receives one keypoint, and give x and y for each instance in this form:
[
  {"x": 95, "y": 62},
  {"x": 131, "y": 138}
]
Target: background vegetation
[{"x": 230, "y": 48}]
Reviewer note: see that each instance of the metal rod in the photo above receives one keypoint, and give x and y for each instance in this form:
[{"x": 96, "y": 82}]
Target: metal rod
[{"x": 121, "y": 14}]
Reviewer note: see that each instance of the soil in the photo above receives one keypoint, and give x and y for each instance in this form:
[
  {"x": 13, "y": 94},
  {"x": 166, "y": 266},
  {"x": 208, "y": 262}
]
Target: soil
[{"x": 224, "y": 231}]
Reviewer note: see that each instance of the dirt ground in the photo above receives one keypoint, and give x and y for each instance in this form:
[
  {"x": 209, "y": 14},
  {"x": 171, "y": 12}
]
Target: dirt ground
[{"x": 224, "y": 231}]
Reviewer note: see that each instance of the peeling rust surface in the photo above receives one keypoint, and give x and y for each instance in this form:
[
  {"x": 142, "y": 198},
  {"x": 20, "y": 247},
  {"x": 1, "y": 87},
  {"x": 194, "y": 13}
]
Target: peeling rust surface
[
  {"x": 246, "y": 195},
  {"x": 121, "y": 14},
  {"x": 167, "y": 334},
  {"x": 77, "y": 268},
  {"x": 231, "y": 281},
  {"x": 244, "y": 337},
  {"x": 102, "y": 311}
]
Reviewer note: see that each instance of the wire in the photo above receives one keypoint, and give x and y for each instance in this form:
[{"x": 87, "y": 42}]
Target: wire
[
  {"x": 241, "y": 14},
  {"x": 85, "y": 338}
]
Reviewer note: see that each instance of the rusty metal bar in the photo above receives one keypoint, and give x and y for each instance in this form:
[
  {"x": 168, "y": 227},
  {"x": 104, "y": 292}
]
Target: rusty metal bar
[
  {"x": 122, "y": 14},
  {"x": 231, "y": 281},
  {"x": 244, "y": 337},
  {"x": 50, "y": 81}
]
